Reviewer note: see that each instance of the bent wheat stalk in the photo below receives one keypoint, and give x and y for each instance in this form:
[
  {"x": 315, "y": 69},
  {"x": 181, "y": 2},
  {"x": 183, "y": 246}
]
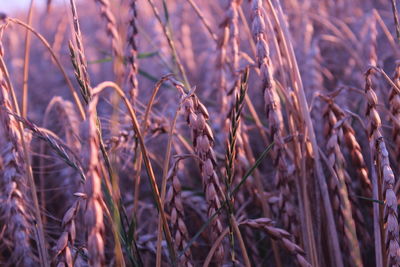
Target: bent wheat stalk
[{"x": 156, "y": 193}]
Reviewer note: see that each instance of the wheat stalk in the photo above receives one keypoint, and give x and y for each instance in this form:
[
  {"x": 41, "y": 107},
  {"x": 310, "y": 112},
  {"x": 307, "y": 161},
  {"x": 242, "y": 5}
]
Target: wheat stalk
[
  {"x": 283, "y": 36},
  {"x": 394, "y": 101},
  {"x": 112, "y": 31},
  {"x": 372, "y": 57},
  {"x": 94, "y": 211},
  {"x": 59, "y": 36},
  {"x": 221, "y": 75},
  {"x": 11, "y": 104},
  {"x": 280, "y": 235},
  {"x": 359, "y": 165},
  {"x": 340, "y": 189},
  {"x": 79, "y": 61},
  {"x": 65, "y": 243},
  {"x": 384, "y": 171},
  {"x": 354, "y": 148},
  {"x": 196, "y": 116},
  {"x": 132, "y": 56},
  {"x": 177, "y": 214},
  {"x": 275, "y": 119},
  {"x": 14, "y": 209}
]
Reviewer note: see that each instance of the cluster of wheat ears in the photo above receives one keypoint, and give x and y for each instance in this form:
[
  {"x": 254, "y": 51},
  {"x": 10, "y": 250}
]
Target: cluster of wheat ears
[{"x": 200, "y": 133}]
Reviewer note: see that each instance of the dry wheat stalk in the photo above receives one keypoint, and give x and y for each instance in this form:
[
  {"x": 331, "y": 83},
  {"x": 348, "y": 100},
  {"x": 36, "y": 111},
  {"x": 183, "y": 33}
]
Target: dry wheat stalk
[
  {"x": 280, "y": 235},
  {"x": 302, "y": 169},
  {"x": 221, "y": 75},
  {"x": 271, "y": 98},
  {"x": 108, "y": 16},
  {"x": 340, "y": 188},
  {"x": 372, "y": 57},
  {"x": 241, "y": 164},
  {"x": 357, "y": 158},
  {"x": 378, "y": 146},
  {"x": 65, "y": 243},
  {"x": 236, "y": 101},
  {"x": 132, "y": 56},
  {"x": 94, "y": 210},
  {"x": 112, "y": 31},
  {"x": 196, "y": 116},
  {"x": 82, "y": 64},
  {"x": 284, "y": 38},
  {"x": 59, "y": 36},
  {"x": 394, "y": 100},
  {"x": 234, "y": 97},
  {"x": 355, "y": 150},
  {"x": 14, "y": 208},
  {"x": 234, "y": 167},
  {"x": 228, "y": 48},
  {"x": 314, "y": 82},
  {"x": 177, "y": 214},
  {"x": 273, "y": 113},
  {"x": 358, "y": 164},
  {"x": 284, "y": 170},
  {"x": 390, "y": 212},
  {"x": 275, "y": 119},
  {"x": 79, "y": 76},
  {"x": 233, "y": 16},
  {"x": 14, "y": 211}
]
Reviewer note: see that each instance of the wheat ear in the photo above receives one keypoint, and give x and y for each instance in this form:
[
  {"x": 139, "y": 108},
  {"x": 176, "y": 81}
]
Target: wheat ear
[
  {"x": 384, "y": 170},
  {"x": 177, "y": 214},
  {"x": 132, "y": 56},
  {"x": 394, "y": 100},
  {"x": 196, "y": 116},
  {"x": 13, "y": 183},
  {"x": 340, "y": 189},
  {"x": 94, "y": 210}
]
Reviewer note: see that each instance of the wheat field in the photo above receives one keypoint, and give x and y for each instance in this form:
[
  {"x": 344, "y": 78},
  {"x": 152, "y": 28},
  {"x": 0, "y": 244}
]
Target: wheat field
[{"x": 200, "y": 133}]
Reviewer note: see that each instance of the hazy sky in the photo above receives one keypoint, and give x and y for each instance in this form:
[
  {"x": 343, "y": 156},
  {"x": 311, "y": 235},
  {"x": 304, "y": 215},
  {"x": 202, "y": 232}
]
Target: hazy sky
[{"x": 8, "y": 6}]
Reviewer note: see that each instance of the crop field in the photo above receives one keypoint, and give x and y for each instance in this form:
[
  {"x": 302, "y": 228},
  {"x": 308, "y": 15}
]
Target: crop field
[{"x": 200, "y": 133}]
